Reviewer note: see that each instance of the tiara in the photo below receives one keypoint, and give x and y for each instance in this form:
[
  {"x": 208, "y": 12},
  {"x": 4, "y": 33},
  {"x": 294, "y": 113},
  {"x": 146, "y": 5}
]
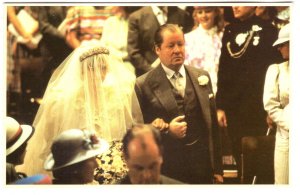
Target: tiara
[{"x": 94, "y": 51}]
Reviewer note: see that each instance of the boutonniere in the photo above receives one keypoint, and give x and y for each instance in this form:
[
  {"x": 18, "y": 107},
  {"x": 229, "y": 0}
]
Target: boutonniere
[{"x": 203, "y": 80}]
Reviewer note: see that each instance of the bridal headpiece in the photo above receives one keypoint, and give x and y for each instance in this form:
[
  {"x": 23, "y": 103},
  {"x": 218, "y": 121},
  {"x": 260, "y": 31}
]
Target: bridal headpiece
[{"x": 94, "y": 51}]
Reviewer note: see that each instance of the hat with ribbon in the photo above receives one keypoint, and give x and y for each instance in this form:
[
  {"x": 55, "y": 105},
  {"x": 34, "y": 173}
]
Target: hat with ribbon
[
  {"x": 73, "y": 146},
  {"x": 283, "y": 36},
  {"x": 16, "y": 134}
]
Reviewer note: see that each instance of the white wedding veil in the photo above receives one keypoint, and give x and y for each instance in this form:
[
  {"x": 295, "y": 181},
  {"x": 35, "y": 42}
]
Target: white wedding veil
[{"x": 91, "y": 89}]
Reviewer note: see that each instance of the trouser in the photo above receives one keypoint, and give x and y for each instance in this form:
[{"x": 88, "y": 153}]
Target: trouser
[{"x": 281, "y": 159}]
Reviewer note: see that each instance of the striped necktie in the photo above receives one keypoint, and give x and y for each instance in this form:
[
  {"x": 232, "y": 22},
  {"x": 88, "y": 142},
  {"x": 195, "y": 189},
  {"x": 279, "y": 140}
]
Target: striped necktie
[{"x": 177, "y": 78}]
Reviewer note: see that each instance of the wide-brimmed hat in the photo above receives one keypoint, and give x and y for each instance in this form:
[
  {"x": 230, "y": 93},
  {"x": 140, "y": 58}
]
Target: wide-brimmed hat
[
  {"x": 16, "y": 134},
  {"x": 73, "y": 146},
  {"x": 283, "y": 36}
]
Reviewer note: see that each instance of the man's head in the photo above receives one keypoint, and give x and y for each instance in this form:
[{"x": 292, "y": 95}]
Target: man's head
[
  {"x": 243, "y": 12},
  {"x": 169, "y": 45},
  {"x": 143, "y": 154}
]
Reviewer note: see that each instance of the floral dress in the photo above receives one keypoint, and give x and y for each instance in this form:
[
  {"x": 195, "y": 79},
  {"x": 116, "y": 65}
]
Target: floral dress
[
  {"x": 203, "y": 50},
  {"x": 112, "y": 166}
]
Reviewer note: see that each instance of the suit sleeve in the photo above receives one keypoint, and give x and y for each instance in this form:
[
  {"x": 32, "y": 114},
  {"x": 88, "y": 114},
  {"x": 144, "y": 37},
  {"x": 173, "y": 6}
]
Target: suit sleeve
[
  {"x": 216, "y": 137},
  {"x": 134, "y": 47},
  {"x": 139, "y": 97},
  {"x": 223, "y": 73}
]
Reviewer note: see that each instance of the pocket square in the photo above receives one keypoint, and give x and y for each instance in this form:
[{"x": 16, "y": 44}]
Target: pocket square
[{"x": 210, "y": 96}]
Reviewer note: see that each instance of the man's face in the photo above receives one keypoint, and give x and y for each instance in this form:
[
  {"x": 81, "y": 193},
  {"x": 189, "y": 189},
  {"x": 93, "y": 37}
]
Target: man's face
[
  {"x": 172, "y": 50},
  {"x": 243, "y": 12},
  {"x": 144, "y": 163}
]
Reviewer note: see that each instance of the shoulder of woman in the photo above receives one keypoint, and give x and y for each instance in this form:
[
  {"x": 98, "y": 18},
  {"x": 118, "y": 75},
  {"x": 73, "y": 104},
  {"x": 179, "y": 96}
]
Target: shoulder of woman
[{"x": 272, "y": 71}]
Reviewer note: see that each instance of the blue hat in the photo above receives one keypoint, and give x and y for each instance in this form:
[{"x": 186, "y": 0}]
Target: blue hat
[{"x": 35, "y": 179}]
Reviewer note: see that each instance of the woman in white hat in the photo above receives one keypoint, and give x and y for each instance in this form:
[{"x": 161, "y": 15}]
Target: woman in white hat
[
  {"x": 17, "y": 137},
  {"x": 276, "y": 103},
  {"x": 73, "y": 156},
  {"x": 91, "y": 89}
]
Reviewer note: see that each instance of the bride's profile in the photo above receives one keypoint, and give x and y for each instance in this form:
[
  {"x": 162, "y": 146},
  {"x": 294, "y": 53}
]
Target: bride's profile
[{"x": 89, "y": 90}]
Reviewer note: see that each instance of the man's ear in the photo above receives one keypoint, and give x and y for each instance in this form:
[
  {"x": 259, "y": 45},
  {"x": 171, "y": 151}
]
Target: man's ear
[{"x": 157, "y": 50}]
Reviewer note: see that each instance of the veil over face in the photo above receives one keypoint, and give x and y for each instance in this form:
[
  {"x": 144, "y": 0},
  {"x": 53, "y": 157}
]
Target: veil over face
[{"x": 92, "y": 90}]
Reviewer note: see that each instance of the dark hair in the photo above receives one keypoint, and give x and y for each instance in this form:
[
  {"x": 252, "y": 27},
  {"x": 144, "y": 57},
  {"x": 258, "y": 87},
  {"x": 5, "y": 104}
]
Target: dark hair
[
  {"x": 158, "y": 39},
  {"x": 66, "y": 174},
  {"x": 137, "y": 131},
  {"x": 15, "y": 157}
]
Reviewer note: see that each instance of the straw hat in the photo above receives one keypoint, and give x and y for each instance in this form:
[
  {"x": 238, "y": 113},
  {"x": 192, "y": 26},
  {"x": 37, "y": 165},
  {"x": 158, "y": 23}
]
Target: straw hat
[
  {"x": 283, "y": 36},
  {"x": 73, "y": 146},
  {"x": 16, "y": 134}
]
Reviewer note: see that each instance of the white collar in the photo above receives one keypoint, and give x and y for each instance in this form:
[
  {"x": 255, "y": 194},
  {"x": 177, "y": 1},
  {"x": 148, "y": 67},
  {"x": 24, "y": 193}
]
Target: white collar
[
  {"x": 159, "y": 14},
  {"x": 156, "y": 10},
  {"x": 169, "y": 72},
  {"x": 211, "y": 31}
]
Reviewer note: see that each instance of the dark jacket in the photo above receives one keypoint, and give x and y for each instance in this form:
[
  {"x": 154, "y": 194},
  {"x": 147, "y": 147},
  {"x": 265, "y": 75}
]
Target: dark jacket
[
  {"x": 156, "y": 100},
  {"x": 245, "y": 56}
]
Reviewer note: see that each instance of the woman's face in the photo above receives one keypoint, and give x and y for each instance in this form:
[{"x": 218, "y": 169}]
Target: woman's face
[
  {"x": 284, "y": 50},
  {"x": 206, "y": 17},
  {"x": 87, "y": 170}
]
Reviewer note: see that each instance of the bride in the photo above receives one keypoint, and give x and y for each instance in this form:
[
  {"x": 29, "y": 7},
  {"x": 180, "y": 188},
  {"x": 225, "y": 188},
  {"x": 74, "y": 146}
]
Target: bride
[{"x": 91, "y": 89}]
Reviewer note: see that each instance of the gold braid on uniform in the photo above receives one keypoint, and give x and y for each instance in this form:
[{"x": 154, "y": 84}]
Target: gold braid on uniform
[
  {"x": 94, "y": 51},
  {"x": 238, "y": 54}
]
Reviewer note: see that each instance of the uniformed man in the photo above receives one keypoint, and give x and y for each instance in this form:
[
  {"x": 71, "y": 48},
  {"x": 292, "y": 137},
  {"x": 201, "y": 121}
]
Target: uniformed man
[{"x": 245, "y": 56}]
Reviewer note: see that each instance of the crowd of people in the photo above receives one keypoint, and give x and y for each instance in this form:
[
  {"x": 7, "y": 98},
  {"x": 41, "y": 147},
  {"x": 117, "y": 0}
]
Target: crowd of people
[{"x": 143, "y": 95}]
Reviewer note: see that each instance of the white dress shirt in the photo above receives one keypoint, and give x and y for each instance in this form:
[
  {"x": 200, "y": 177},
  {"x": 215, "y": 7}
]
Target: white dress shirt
[
  {"x": 170, "y": 73},
  {"x": 160, "y": 15}
]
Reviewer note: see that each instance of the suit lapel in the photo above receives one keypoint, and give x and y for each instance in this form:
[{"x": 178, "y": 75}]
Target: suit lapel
[
  {"x": 202, "y": 95},
  {"x": 162, "y": 90}
]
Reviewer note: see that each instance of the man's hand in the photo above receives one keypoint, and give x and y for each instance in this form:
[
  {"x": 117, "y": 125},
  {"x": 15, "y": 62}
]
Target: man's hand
[
  {"x": 218, "y": 179},
  {"x": 222, "y": 120},
  {"x": 177, "y": 127},
  {"x": 270, "y": 122},
  {"x": 160, "y": 124}
]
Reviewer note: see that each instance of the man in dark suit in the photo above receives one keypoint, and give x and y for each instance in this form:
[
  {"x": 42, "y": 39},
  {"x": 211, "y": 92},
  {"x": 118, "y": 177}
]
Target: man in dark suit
[
  {"x": 142, "y": 25},
  {"x": 183, "y": 108},
  {"x": 245, "y": 56}
]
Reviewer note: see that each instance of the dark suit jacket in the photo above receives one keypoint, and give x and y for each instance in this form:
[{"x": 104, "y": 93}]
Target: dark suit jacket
[
  {"x": 142, "y": 27},
  {"x": 156, "y": 100},
  {"x": 241, "y": 79}
]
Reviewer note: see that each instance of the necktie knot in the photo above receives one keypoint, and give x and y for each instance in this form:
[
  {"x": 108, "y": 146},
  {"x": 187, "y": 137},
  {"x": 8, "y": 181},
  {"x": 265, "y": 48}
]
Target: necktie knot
[
  {"x": 178, "y": 83},
  {"x": 177, "y": 75}
]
